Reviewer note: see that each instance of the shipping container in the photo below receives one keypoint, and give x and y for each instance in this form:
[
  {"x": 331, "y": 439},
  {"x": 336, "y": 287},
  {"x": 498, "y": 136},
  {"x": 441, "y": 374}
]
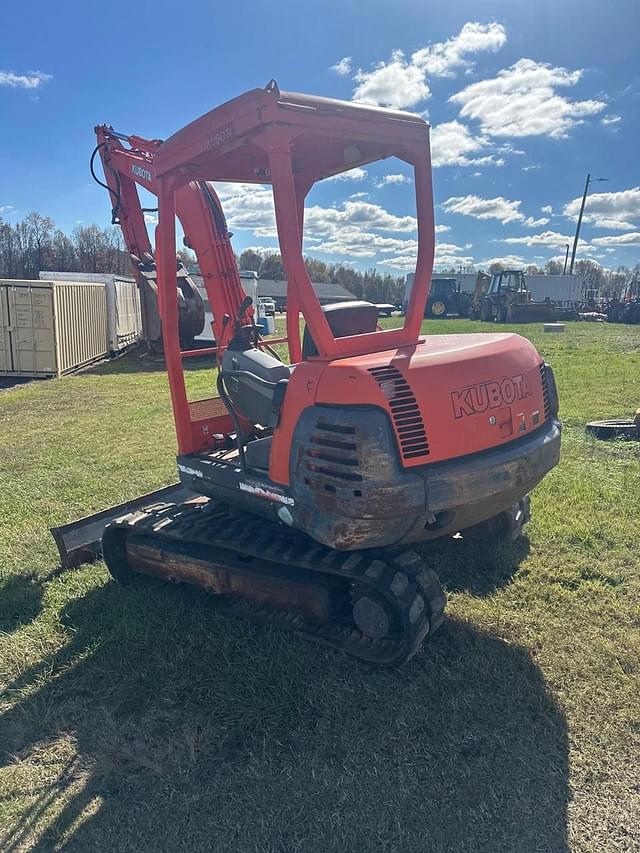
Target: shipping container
[
  {"x": 124, "y": 314},
  {"x": 565, "y": 289},
  {"x": 48, "y": 328}
]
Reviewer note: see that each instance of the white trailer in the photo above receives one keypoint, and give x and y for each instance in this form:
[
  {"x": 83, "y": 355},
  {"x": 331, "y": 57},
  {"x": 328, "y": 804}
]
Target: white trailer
[
  {"x": 565, "y": 289},
  {"x": 124, "y": 314}
]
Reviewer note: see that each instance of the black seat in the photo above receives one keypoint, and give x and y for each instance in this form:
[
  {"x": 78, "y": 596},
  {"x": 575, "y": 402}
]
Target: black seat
[{"x": 345, "y": 319}]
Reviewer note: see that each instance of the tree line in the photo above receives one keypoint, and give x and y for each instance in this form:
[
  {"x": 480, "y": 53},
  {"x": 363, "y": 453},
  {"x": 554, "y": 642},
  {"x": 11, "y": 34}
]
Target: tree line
[{"x": 35, "y": 243}]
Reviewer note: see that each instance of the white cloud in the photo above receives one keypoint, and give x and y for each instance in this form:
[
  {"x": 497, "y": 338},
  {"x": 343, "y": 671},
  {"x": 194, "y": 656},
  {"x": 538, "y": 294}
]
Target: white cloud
[
  {"x": 530, "y": 168},
  {"x": 358, "y": 195},
  {"x": 392, "y": 179},
  {"x": 547, "y": 209},
  {"x": 611, "y": 119},
  {"x": 343, "y": 66},
  {"x": 353, "y": 223},
  {"x": 442, "y": 229},
  {"x": 617, "y": 210},
  {"x": 522, "y": 101},
  {"x": 356, "y": 174},
  {"x": 151, "y": 218},
  {"x": 395, "y": 84},
  {"x": 30, "y": 80},
  {"x": 444, "y": 58},
  {"x": 452, "y": 142},
  {"x": 621, "y": 240},
  {"x": 485, "y": 208},
  {"x": 357, "y": 243},
  {"x": 248, "y": 207},
  {"x": 507, "y": 261},
  {"x": 7, "y": 210},
  {"x": 530, "y": 222},
  {"x": 447, "y": 255},
  {"x": 546, "y": 238},
  {"x": 498, "y": 208},
  {"x": 402, "y": 83},
  {"x": 332, "y": 221}
]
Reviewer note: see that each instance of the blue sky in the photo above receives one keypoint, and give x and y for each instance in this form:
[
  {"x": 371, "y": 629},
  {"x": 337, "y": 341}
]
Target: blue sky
[{"x": 524, "y": 99}]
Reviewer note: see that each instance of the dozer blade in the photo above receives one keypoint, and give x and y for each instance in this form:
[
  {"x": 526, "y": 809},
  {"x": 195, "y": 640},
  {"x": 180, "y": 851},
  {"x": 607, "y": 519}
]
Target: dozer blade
[
  {"x": 533, "y": 312},
  {"x": 81, "y": 541}
]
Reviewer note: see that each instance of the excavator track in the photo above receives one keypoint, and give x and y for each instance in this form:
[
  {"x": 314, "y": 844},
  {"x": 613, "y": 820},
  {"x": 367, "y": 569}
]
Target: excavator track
[{"x": 375, "y": 605}]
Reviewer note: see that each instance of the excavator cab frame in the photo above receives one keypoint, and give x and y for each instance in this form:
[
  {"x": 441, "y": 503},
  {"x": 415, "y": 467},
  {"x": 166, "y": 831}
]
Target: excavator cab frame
[
  {"x": 265, "y": 136},
  {"x": 290, "y": 141}
]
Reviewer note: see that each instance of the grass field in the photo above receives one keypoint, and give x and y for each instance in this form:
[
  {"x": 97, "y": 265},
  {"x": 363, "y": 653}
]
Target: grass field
[{"x": 135, "y": 719}]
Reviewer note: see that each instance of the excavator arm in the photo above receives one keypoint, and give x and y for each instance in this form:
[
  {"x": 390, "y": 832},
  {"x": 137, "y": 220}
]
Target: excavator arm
[{"x": 206, "y": 233}]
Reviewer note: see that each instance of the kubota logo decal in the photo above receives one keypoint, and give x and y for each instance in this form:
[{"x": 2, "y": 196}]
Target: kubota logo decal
[
  {"x": 220, "y": 136},
  {"x": 475, "y": 399},
  {"x": 145, "y": 174}
]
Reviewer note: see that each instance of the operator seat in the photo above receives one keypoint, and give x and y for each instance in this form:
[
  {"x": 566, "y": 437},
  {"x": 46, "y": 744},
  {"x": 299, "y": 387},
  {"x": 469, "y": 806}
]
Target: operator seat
[{"x": 345, "y": 318}]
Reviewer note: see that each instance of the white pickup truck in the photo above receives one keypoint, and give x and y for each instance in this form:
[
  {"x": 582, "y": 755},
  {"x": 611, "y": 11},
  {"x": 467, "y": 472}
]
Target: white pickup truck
[{"x": 266, "y": 306}]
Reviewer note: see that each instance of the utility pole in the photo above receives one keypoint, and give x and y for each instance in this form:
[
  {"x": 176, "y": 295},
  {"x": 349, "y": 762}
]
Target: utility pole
[
  {"x": 566, "y": 258},
  {"x": 589, "y": 180}
]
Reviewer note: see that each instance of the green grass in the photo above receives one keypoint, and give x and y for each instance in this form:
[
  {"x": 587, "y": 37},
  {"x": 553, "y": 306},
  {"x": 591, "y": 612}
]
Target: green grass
[{"x": 137, "y": 719}]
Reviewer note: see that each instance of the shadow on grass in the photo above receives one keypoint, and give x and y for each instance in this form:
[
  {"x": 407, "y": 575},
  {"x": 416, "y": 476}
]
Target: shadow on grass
[
  {"x": 139, "y": 361},
  {"x": 193, "y": 732},
  {"x": 475, "y": 567},
  {"x": 20, "y": 601}
]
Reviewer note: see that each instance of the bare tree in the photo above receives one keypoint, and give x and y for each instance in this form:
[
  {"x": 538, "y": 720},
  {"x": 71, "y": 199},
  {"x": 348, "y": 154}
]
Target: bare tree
[
  {"x": 8, "y": 250},
  {"x": 63, "y": 253},
  {"x": 41, "y": 229}
]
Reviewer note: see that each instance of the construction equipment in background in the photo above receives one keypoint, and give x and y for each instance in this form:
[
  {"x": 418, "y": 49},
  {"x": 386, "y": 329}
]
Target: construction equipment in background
[
  {"x": 626, "y": 308},
  {"x": 312, "y": 480},
  {"x": 446, "y": 299},
  {"x": 483, "y": 280},
  {"x": 507, "y": 299}
]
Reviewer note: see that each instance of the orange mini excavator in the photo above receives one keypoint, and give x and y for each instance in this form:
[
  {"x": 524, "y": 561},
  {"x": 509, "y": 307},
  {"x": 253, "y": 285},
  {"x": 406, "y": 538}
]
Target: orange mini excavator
[{"x": 308, "y": 483}]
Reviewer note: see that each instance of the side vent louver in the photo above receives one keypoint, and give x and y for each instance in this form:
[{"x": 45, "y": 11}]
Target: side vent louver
[
  {"x": 332, "y": 459},
  {"x": 545, "y": 391},
  {"x": 404, "y": 411}
]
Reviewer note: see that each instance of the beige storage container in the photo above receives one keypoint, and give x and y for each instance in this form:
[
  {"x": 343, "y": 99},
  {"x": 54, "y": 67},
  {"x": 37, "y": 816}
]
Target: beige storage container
[{"x": 48, "y": 328}]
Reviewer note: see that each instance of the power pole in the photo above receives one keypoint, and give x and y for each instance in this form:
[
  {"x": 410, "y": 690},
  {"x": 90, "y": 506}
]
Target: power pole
[
  {"x": 575, "y": 241},
  {"x": 584, "y": 199}
]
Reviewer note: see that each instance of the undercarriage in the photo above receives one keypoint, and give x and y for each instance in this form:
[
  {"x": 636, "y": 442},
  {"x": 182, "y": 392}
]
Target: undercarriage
[{"x": 377, "y": 606}]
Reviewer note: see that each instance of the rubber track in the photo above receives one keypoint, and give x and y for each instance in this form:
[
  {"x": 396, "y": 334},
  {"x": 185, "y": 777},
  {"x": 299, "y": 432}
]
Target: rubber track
[{"x": 411, "y": 589}]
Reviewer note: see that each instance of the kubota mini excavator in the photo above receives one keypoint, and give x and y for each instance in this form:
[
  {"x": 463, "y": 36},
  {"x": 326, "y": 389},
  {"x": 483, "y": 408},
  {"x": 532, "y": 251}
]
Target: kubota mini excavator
[{"x": 310, "y": 481}]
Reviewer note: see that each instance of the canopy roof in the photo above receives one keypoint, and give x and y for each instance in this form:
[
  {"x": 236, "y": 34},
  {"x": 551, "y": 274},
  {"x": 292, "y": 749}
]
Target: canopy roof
[{"x": 327, "y": 137}]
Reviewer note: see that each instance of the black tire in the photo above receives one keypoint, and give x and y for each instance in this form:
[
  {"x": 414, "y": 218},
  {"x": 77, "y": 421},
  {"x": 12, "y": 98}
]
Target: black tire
[
  {"x": 438, "y": 309},
  {"x": 615, "y": 428}
]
